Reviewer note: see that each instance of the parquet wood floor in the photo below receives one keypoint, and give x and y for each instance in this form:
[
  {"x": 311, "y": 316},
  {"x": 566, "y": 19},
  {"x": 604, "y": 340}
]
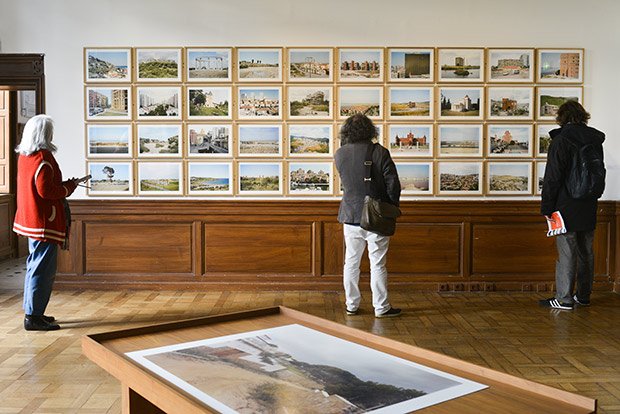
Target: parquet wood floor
[{"x": 578, "y": 350}]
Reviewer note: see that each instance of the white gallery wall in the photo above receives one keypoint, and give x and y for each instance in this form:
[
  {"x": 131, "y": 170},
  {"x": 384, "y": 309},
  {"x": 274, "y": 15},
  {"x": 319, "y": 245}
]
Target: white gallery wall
[{"x": 61, "y": 28}]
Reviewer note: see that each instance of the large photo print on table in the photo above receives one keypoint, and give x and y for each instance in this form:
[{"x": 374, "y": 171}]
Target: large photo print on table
[{"x": 293, "y": 368}]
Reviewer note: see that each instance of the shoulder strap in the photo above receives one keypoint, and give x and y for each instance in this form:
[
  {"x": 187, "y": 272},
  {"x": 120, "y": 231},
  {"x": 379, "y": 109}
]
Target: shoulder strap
[{"x": 368, "y": 169}]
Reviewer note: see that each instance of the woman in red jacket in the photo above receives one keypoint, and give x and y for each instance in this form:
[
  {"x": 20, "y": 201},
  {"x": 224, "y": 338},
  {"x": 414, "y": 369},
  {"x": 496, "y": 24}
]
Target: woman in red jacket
[{"x": 41, "y": 217}]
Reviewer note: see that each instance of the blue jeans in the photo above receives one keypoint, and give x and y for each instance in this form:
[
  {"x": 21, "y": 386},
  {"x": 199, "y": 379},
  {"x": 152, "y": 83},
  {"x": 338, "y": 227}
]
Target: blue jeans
[{"x": 40, "y": 274}]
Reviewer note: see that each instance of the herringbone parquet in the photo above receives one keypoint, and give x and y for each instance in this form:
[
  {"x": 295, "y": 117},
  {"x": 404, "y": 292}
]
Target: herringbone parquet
[{"x": 578, "y": 350}]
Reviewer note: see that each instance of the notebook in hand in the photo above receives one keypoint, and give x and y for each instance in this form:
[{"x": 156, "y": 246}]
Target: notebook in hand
[{"x": 556, "y": 224}]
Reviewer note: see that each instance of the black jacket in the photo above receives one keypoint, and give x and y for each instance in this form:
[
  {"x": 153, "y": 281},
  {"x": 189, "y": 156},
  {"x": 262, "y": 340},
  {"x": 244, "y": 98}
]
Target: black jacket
[
  {"x": 579, "y": 215},
  {"x": 350, "y": 164}
]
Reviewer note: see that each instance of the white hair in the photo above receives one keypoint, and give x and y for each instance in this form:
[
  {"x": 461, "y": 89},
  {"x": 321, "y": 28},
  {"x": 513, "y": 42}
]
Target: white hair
[{"x": 38, "y": 134}]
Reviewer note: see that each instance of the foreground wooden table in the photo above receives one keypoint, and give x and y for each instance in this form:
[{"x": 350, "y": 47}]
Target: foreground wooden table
[{"x": 146, "y": 393}]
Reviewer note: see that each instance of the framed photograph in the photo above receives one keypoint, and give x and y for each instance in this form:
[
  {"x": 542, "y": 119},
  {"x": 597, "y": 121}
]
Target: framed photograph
[
  {"x": 461, "y": 65},
  {"x": 412, "y": 65},
  {"x": 158, "y": 65},
  {"x": 108, "y": 103},
  {"x": 209, "y": 178},
  {"x": 540, "y": 175},
  {"x": 208, "y": 140},
  {"x": 307, "y": 178},
  {"x": 310, "y": 102},
  {"x": 560, "y": 65},
  {"x": 307, "y": 140},
  {"x": 460, "y": 178},
  {"x": 259, "y": 64},
  {"x": 310, "y": 65},
  {"x": 260, "y": 178},
  {"x": 360, "y": 100},
  {"x": 360, "y": 65},
  {"x": 260, "y": 102},
  {"x": 208, "y": 102},
  {"x": 410, "y": 140},
  {"x": 109, "y": 140},
  {"x": 416, "y": 178},
  {"x": 509, "y": 140},
  {"x": 159, "y": 140},
  {"x": 159, "y": 102},
  {"x": 160, "y": 178},
  {"x": 110, "y": 178},
  {"x": 208, "y": 65},
  {"x": 510, "y": 65},
  {"x": 460, "y": 140},
  {"x": 461, "y": 103},
  {"x": 107, "y": 65},
  {"x": 410, "y": 103},
  {"x": 510, "y": 103},
  {"x": 543, "y": 139},
  {"x": 510, "y": 178},
  {"x": 551, "y": 98},
  {"x": 259, "y": 140}
]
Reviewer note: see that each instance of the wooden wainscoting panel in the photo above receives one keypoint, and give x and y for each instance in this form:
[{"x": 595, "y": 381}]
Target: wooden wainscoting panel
[
  {"x": 147, "y": 248},
  {"x": 333, "y": 249},
  {"x": 259, "y": 248},
  {"x": 514, "y": 248},
  {"x": 6, "y": 225},
  {"x": 601, "y": 249}
]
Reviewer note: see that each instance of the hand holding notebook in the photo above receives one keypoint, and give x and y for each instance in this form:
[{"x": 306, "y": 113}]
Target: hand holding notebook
[{"x": 555, "y": 222}]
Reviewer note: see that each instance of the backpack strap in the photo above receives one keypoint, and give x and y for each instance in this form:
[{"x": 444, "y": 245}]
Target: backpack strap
[{"x": 368, "y": 169}]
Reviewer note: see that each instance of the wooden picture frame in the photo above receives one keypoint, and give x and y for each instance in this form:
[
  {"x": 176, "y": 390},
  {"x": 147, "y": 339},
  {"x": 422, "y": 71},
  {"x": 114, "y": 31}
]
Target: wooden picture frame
[
  {"x": 208, "y": 102},
  {"x": 208, "y": 64},
  {"x": 459, "y": 178},
  {"x": 310, "y": 178},
  {"x": 543, "y": 139},
  {"x": 310, "y": 64},
  {"x": 159, "y": 64},
  {"x": 559, "y": 66},
  {"x": 159, "y": 103},
  {"x": 310, "y": 140},
  {"x": 360, "y": 99},
  {"x": 259, "y": 102},
  {"x": 510, "y": 65},
  {"x": 509, "y": 140},
  {"x": 411, "y": 140},
  {"x": 509, "y": 178},
  {"x": 460, "y": 65},
  {"x": 461, "y": 103},
  {"x": 410, "y": 103},
  {"x": 416, "y": 178},
  {"x": 259, "y": 140},
  {"x": 459, "y": 140},
  {"x": 109, "y": 140},
  {"x": 259, "y": 64},
  {"x": 259, "y": 178},
  {"x": 159, "y": 140},
  {"x": 360, "y": 64},
  {"x": 510, "y": 103},
  {"x": 160, "y": 178},
  {"x": 107, "y": 103},
  {"x": 210, "y": 178},
  {"x": 110, "y": 178},
  {"x": 549, "y": 99},
  {"x": 108, "y": 65},
  {"x": 413, "y": 65},
  {"x": 208, "y": 140},
  {"x": 310, "y": 102}
]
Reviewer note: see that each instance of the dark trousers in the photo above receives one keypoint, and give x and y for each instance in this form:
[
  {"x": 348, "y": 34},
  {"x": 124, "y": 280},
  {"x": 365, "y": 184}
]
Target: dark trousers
[{"x": 575, "y": 266}]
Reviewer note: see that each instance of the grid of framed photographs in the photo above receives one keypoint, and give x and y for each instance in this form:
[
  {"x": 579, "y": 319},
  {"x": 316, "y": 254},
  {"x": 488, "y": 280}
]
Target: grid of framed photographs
[{"x": 264, "y": 121}]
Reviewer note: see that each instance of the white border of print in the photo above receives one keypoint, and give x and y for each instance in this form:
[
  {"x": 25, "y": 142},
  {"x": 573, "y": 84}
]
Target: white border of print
[
  {"x": 259, "y": 155},
  {"x": 238, "y": 181},
  {"x": 178, "y": 164},
  {"x": 108, "y": 118},
  {"x": 160, "y": 155},
  {"x": 189, "y": 126},
  {"x": 460, "y": 155},
  {"x": 431, "y": 68},
  {"x": 159, "y": 118},
  {"x": 537, "y": 138},
  {"x": 228, "y": 51},
  {"x": 330, "y": 105},
  {"x": 129, "y": 192},
  {"x": 460, "y": 192},
  {"x": 268, "y": 87},
  {"x": 551, "y": 88},
  {"x": 266, "y": 49},
  {"x": 430, "y": 138},
  {"x": 330, "y": 169},
  {"x": 540, "y": 79},
  {"x": 361, "y": 50},
  {"x": 231, "y": 179},
  {"x": 430, "y": 178},
  {"x": 206, "y": 117},
  {"x": 530, "y": 128},
  {"x": 110, "y": 155},
  {"x": 537, "y": 167},
  {"x": 179, "y": 64},
  {"x": 479, "y": 79},
  {"x": 376, "y": 117},
  {"x": 461, "y": 118},
  {"x": 492, "y": 117},
  {"x": 532, "y": 67},
  {"x": 496, "y": 192},
  {"x": 301, "y": 49},
  {"x": 126, "y": 79},
  {"x": 431, "y": 104},
  {"x": 310, "y": 154}
]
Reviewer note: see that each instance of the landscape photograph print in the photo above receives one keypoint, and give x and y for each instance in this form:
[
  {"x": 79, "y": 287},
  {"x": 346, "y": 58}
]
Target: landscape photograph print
[
  {"x": 108, "y": 140},
  {"x": 411, "y": 140},
  {"x": 158, "y": 140},
  {"x": 260, "y": 178},
  {"x": 540, "y": 176},
  {"x": 160, "y": 178},
  {"x": 551, "y": 98},
  {"x": 310, "y": 140},
  {"x": 510, "y": 103},
  {"x": 260, "y": 140},
  {"x": 511, "y": 65},
  {"x": 509, "y": 177},
  {"x": 208, "y": 102},
  {"x": 295, "y": 369},
  {"x": 208, "y": 65},
  {"x": 159, "y": 102},
  {"x": 543, "y": 138},
  {"x": 358, "y": 100},
  {"x": 310, "y": 65},
  {"x": 360, "y": 65},
  {"x": 260, "y": 102},
  {"x": 108, "y": 103},
  {"x": 506, "y": 140},
  {"x": 110, "y": 178},
  {"x": 460, "y": 140},
  {"x": 310, "y": 178},
  {"x": 412, "y": 65},
  {"x": 209, "y": 178},
  {"x": 158, "y": 65},
  {"x": 310, "y": 102},
  {"x": 208, "y": 140},
  {"x": 411, "y": 103},
  {"x": 461, "y": 65},
  {"x": 108, "y": 65},
  {"x": 460, "y": 178},
  {"x": 259, "y": 64},
  {"x": 461, "y": 103},
  {"x": 416, "y": 178},
  {"x": 560, "y": 65}
]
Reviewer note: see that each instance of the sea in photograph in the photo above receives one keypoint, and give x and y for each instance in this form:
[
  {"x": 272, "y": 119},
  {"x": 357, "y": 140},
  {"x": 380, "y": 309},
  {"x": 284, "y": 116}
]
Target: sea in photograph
[
  {"x": 458, "y": 74},
  {"x": 209, "y": 184}
]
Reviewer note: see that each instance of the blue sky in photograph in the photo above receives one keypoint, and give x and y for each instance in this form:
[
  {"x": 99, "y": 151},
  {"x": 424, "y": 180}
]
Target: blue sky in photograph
[
  {"x": 105, "y": 133},
  {"x": 254, "y": 170},
  {"x": 160, "y": 132},
  {"x": 159, "y": 94},
  {"x": 398, "y": 58},
  {"x": 309, "y": 131},
  {"x": 300, "y": 56},
  {"x": 209, "y": 170},
  {"x": 459, "y": 133},
  {"x": 360, "y": 56},
  {"x": 517, "y": 170},
  {"x": 146, "y": 55},
  {"x": 405, "y": 95},
  {"x": 519, "y": 95},
  {"x": 472, "y": 58},
  {"x": 549, "y": 60},
  {"x": 255, "y": 133},
  {"x": 263, "y": 56},
  {"x": 115, "y": 58},
  {"x": 350, "y": 96},
  {"x": 261, "y": 93},
  {"x": 459, "y": 168},
  {"x": 219, "y": 94},
  {"x": 121, "y": 171},
  {"x": 413, "y": 170},
  {"x": 159, "y": 170},
  {"x": 456, "y": 94},
  {"x": 402, "y": 131}
]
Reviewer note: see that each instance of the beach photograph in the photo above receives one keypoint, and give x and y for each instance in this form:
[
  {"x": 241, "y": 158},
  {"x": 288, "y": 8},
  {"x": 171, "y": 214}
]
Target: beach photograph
[
  {"x": 367, "y": 101},
  {"x": 209, "y": 178},
  {"x": 260, "y": 140},
  {"x": 310, "y": 140},
  {"x": 109, "y": 140},
  {"x": 110, "y": 178},
  {"x": 210, "y": 65}
]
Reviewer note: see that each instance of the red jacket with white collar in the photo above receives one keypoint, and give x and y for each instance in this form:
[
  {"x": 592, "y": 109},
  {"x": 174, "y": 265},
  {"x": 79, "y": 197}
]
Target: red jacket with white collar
[{"x": 40, "y": 193}]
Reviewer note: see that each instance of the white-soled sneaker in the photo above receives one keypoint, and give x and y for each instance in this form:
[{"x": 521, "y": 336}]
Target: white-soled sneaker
[{"x": 555, "y": 304}]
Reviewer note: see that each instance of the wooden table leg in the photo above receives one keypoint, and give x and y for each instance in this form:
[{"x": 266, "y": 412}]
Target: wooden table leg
[{"x": 134, "y": 403}]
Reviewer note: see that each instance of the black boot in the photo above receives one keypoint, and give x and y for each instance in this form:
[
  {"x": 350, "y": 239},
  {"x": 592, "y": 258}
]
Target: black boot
[{"x": 38, "y": 323}]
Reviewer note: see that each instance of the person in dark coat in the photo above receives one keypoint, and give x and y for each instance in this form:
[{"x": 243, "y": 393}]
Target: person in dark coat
[
  {"x": 575, "y": 263},
  {"x": 357, "y": 133}
]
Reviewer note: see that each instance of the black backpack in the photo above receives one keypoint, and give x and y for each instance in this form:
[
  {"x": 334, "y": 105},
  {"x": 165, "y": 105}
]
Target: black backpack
[{"x": 586, "y": 179}]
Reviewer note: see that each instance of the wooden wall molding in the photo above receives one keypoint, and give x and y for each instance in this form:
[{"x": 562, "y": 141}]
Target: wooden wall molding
[{"x": 464, "y": 245}]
